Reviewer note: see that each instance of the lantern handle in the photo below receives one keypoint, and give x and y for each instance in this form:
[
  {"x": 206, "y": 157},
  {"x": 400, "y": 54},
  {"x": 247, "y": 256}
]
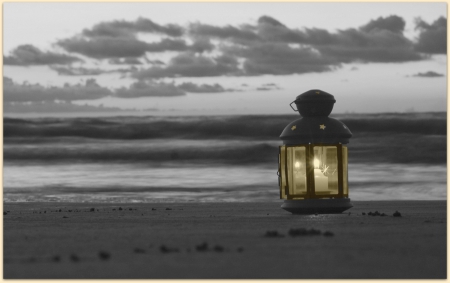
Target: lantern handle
[{"x": 293, "y": 107}]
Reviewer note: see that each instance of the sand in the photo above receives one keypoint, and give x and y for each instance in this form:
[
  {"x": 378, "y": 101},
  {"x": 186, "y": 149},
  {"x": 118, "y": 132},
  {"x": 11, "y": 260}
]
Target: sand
[{"x": 223, "y": 240}]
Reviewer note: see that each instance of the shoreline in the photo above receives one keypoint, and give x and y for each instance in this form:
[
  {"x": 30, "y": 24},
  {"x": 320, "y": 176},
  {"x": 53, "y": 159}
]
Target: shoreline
[{"x": 223, "y": 241}]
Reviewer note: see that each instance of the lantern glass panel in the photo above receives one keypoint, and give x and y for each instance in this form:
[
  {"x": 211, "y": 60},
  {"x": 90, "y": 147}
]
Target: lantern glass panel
[
  {"x": 296, "y": 160},
  {"x": 282, "y": 170},
  {"x": 345, "y": 170},
  {"x": 325, "y": 164}
]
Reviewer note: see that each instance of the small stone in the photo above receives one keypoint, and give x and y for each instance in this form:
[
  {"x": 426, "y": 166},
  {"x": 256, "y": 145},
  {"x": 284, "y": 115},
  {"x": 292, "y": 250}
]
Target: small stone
[
  {"x": 273, "y": 234},
  {"x": 165, "y": 249},
  {"x": 74, "y": 258},
  {"x": 370, "y": 213},
  {"x": 168, "y": 208},
  {"x": 397, "y": 214},
  {"x": 202, "y": 248},
  {"x": 363, "y": 213},
  {"x": 218, "y": 249},
  {"x": 120, "y": 208},
  {"x": 92, "y": 210},
  {"x": 139, "y": 251},
  {"x": 328, "y": 234},
  {"x": 153, "y": 208},
  {"x": 130, "y": 209},
  {"x": 104, "y": 255}
]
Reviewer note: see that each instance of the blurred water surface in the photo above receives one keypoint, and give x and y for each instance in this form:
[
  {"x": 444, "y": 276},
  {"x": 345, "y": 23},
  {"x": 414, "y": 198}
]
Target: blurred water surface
[{"x": 171, "y": 160}]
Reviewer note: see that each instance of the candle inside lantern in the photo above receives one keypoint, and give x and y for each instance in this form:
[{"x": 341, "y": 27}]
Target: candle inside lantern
[{"x": 320, "y": 180}]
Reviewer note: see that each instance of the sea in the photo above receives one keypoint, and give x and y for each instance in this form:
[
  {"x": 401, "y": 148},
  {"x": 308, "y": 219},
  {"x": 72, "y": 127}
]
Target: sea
[{"x": 128, "y": 159}]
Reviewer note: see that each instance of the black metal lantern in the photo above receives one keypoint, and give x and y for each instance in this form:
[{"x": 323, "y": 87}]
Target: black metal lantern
[{"x": 312, "y": 162}]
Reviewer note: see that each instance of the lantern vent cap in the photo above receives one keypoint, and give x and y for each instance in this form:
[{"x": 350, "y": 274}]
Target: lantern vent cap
[{"x": 315, "y": 102}]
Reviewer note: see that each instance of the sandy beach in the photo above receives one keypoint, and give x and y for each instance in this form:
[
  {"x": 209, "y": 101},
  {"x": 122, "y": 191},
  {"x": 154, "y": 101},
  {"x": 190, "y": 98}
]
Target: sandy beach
[{"x": 223, "y": 240}]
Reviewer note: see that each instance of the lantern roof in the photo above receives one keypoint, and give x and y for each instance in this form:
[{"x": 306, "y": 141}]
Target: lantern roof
[{"x": 315, "y": 126}]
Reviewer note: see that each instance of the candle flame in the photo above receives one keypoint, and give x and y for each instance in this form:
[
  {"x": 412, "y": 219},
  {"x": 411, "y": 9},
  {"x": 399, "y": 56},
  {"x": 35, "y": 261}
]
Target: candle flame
[{"x": 316, "y": 163}]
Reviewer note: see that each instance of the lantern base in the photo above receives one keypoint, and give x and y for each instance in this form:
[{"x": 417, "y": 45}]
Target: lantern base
[{"x": 319, "y": 206}]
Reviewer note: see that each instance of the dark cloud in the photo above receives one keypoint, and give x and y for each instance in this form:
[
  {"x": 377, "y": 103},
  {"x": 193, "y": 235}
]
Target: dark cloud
[
  {"x": 204, "y": 88},
  {"x": 267, "y": 47},
  {"x": 429, "y": 74},
  {"x": 118, "y": 39},
  {"x": 281, "y": 59},
  {"x": 27, "y": 55},
  {"x": 129, "y": 29},
  {"x": 25, "y": 92},
  {"x": 81, "y": 71},
  {"x": 392, "y": 23},
  {"x": 272, "y": 30},
  {"x": 108, "y": 47},
  {"x": 227, "y": 32},
  {"x": 432, "y": 38},
  {"x": 201, "y": 45},
  {"x": 192, "y": 65},
  {"x": 148, "y": 89},
  {"x": 76, "y": 71},
  {"x": 168, "y": 44},
  {"x": 381, "y": 40},
  {"x": 105, "y": 47}
]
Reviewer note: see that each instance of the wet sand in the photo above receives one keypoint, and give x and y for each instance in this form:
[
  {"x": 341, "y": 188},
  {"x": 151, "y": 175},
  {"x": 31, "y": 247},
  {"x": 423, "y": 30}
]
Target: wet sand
[{"x": 223, "y": 240}]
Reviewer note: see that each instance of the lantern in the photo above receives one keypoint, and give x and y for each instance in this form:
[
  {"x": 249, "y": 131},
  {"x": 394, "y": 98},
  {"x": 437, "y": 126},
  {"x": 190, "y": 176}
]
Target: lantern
[{"x": 312, "y": 162}]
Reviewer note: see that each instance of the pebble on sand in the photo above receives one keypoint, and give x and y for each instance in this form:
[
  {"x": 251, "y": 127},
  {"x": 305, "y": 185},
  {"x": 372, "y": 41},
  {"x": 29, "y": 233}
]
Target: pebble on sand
[
  {"x": 104, "y": 255},
  {"x": 139, "y": 251},
  {"x": 202, "y": 247},
  {"x": 74, "y": 258},
  {"x": 273, "y": 234},
  {"x": 397, "y": 214}
]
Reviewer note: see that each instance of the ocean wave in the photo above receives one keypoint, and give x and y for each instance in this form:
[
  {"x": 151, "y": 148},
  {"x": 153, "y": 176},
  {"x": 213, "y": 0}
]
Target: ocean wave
[{"x": 210, "y": 127}]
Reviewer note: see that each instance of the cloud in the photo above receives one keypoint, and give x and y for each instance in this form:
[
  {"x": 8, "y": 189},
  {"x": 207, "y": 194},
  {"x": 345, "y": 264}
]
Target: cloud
[
  {"x": 76, "y": 71},
  {"x": 118, "y": 39},
  {"x": 204, "y": 88},
  {"x": 192, "y": 65},
  {"x": 429, "y": 74},
  {"x": 125, "y": 61},
  {"x": 281, "y": 59},
  {"x": 432, "y": 38},
  {"x": 380, "y": 40},
  {"x": 265, "y": 47},
  {"x": 112, "y": 47},
  {"x": 129, "y": 29},
  {"x": 105, "y": 47},
  {"x": 392, "y": 23},
  {"x": 25, "y": 92},
  {"x": 54, "y": 107},
  {"x": 81, "y": 71},
  {"x": 226, "y": 32},
  {"x": 272, "y": 30},
  {"x": 27, "y": 55},
  {"x": 148, "y": 89}
]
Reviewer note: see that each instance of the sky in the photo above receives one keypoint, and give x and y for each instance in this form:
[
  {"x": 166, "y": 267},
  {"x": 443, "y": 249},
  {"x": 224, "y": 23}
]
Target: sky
[{"x": 223, "y": 58}]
